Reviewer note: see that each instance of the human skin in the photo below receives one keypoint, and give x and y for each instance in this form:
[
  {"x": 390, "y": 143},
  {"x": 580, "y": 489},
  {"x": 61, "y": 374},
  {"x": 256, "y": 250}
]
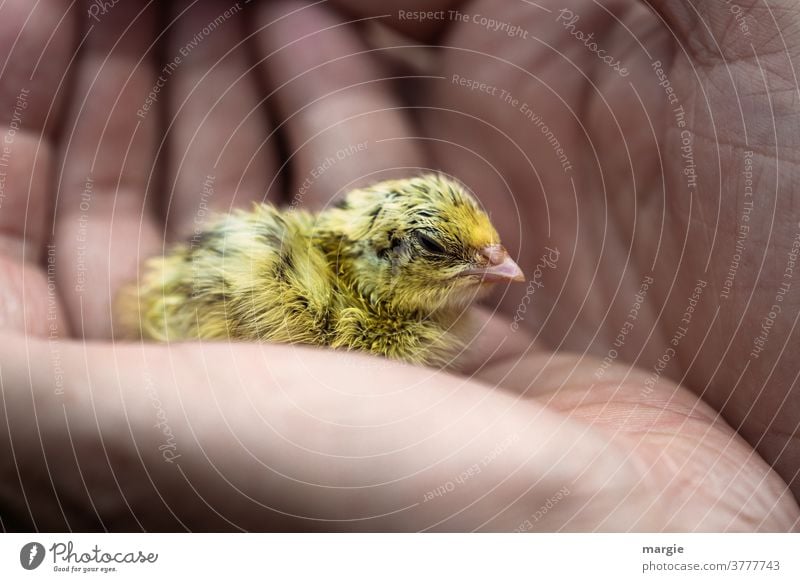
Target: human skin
[
  {"x": 99, "y": 434},
  {"x": 627, "y": 210}
]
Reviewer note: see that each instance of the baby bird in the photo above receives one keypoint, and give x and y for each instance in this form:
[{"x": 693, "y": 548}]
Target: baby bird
[{"x": 389, "y": 270}]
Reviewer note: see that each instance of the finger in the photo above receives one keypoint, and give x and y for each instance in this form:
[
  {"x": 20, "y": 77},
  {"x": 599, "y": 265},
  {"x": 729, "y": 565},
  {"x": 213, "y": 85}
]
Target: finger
[
  {"x": 336, "y": 104},
  {"x": 219, "y": 154},
  {"x": 426, "y": 451},
  {"x": 102, "y": 229},
  {"x": 36, "y": 43}
]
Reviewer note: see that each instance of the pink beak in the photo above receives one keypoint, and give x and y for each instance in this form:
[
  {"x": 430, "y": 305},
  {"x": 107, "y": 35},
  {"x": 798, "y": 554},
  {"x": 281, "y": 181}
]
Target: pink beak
[{"x": 500, "y": 267}]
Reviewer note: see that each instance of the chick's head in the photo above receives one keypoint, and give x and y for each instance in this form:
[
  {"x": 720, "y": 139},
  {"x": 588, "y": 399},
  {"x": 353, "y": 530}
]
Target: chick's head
[{"x": 423, "y": 243}]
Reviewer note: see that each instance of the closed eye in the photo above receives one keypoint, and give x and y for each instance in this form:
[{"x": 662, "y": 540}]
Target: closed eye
[{"x": 429, "y": 244}]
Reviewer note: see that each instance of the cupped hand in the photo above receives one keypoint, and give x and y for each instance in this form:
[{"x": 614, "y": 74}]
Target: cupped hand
[
  {"x": 653, "y": 144},
  {"x": 119, "y": 153}
]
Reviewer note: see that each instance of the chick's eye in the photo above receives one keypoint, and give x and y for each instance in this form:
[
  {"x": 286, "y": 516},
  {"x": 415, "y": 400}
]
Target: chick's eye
[{"x": 429, "y": 244}]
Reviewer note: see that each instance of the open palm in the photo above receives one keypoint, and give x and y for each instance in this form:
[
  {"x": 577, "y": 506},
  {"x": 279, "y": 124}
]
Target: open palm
[{"x": 212, "y": 436}]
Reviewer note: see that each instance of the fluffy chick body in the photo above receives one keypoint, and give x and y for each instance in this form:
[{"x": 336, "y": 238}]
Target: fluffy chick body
[{"x": 382, "y": 272}]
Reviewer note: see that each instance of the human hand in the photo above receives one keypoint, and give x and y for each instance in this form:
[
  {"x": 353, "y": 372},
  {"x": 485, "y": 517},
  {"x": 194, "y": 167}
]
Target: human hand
[
  {"x": 268, "y": 437},
  {"x": 678, "y": 132}
]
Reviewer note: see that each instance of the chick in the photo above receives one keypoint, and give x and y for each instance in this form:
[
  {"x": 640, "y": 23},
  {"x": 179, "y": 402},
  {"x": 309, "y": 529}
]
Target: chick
[{"x": 390, "y": 270}]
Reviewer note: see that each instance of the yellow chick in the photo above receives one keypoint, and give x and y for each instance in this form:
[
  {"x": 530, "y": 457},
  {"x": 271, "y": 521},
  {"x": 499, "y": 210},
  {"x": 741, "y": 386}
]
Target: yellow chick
[{"x": 389, "y": 270}]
